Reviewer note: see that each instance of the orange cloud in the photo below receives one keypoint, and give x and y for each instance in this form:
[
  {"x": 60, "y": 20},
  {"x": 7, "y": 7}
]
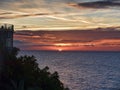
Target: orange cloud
[{"x": 88, "y": 40}]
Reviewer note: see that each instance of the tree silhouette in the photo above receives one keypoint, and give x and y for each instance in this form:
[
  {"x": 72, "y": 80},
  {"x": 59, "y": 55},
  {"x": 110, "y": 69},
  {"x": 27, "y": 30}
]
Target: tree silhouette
[{"x": 23, "y": 73}]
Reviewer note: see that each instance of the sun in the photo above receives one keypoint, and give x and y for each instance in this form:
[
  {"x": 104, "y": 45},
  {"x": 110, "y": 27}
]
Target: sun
[{"x": 60, "y": 50}]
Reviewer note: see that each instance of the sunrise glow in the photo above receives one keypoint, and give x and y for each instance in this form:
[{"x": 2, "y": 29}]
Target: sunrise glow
[
  {"x": 62, "y": 44},
  {"x": 60, "y": 50},
  {"x": 67, "y": 41},
  {"x": 63, "y": 24}
]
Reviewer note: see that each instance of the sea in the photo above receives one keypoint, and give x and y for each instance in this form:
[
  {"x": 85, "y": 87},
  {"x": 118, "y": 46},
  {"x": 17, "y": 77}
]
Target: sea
[{"x": 82, "y": 70}]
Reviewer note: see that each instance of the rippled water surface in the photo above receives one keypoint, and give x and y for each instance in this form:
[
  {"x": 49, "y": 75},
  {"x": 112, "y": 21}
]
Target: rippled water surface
[{"x": 83, "y": 70}]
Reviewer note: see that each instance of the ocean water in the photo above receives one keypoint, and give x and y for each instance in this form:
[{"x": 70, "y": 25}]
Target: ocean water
[{"x": 82, "y": 70}]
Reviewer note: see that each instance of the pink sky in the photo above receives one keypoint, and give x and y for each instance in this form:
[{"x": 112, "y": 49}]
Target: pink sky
[{"x": 68, "y": 40}]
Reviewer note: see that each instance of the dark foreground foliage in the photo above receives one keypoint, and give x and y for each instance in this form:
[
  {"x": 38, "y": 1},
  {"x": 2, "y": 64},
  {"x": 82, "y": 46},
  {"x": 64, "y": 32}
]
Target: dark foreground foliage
[{"x": 23, "y": 73}]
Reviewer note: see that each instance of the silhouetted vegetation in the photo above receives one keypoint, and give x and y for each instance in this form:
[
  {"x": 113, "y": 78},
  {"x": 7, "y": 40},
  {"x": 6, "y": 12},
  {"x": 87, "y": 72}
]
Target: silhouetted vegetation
[{"x": 23, "y": 73}]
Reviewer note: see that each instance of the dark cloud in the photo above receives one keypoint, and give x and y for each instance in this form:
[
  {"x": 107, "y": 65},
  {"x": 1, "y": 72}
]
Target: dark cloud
[
  {"x": 74, "y": 36},
  {"x": 48, "y": 40},
  {"x": 98, "y": 4}
]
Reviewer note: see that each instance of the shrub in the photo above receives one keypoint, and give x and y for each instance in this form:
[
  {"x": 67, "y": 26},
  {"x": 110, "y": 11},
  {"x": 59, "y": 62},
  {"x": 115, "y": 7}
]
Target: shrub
[{"x": 23, "y": 73}]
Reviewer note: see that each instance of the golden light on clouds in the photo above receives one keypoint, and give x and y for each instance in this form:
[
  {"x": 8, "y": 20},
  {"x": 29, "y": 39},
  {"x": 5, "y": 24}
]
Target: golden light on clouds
[
  {"x": 58, "y": 14},
  {"x": 92, "y": 26},
  {"x": 85, "y": 40},
  {"x": 62, "y": 44}
]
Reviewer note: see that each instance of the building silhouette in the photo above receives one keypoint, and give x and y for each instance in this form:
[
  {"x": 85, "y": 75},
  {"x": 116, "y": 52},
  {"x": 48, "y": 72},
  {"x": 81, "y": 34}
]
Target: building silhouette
[
  {"x": 6, "y": 43},
  {"x": 6, "y": 37}
]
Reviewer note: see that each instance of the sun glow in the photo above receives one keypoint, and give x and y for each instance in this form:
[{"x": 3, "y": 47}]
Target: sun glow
[
  {"x": 62, "y": 44},
  {"x": 60, "y": 49}
]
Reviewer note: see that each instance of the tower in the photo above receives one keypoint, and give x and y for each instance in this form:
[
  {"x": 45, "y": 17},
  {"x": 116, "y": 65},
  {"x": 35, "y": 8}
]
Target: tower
[
  {"x": 6, "y": 43},
  {"x": 6, "y": 37}
]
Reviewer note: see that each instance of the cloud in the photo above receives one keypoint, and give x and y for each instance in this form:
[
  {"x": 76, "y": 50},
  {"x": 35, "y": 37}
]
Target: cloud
[
  {"x": 95, "y": 39},
  {"x": 97, "y": 4},
  {"x": 5, "y": 13},
  {"x": 31, "y": 6},
  {"x": 72, "y": 36},
  {"x": 21, "y": 15},
  {"x": 27, "y": 8},
  {"x": 54, "y": 14},
  {"x": 112, "y": 42}
]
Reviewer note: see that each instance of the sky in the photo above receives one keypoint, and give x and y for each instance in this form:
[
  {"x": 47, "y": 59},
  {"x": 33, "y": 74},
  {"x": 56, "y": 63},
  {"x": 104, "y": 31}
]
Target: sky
[
  {"x": 60, "y": 14},
  {"x": 94, "y": 24},
  {"x": 102, "y": 39}
]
